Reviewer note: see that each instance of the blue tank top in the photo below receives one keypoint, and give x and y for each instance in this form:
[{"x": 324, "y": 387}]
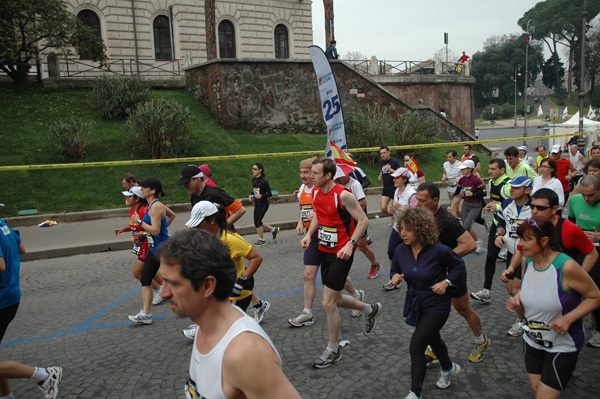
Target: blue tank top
[{"x": 164, "y": 232}]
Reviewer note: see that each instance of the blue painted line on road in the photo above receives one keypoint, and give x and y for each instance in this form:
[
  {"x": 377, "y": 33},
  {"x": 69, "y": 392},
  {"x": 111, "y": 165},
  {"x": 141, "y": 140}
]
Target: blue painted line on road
[{"x": 97, "y": 315}]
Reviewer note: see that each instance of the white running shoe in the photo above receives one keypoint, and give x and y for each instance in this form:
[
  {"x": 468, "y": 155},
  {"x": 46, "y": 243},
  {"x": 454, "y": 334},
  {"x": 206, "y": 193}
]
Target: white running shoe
[
  {"x": 480, "y": 247},
  {"x": 259, "y": 313},
  {"x": 361, "y": 298},
  {"x": 156, "y": 298},
  {"x": 50, "y": 385},
  {"x": 303, "y": 319},
  {"x": 446, "y": 376},
  {"x": 515, "y": 330},
  {"x": 191, "y": 331},
  {"x": 484, "y": 295},
  {"x": 139, "y": 319}
]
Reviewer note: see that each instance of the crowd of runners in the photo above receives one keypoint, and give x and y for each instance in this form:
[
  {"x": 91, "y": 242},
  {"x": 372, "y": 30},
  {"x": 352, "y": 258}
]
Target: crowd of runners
[{"x": 545, "y": 217}]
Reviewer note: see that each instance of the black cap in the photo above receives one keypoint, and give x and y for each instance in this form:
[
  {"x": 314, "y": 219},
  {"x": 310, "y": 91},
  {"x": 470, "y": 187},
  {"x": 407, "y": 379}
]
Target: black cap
[
  {"x": 152, "y": 183},
  {"x": 189, "y": 172}
]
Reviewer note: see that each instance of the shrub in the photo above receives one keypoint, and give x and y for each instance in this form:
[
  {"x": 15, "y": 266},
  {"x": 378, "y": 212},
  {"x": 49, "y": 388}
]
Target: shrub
[
  {"x": 115, "y": 96},
  {"x": 414, "y": 128},
  {"x": 70, "y": 137},
  {"x": 161, "y": 127},
  {"x": 371, "y": 129}
]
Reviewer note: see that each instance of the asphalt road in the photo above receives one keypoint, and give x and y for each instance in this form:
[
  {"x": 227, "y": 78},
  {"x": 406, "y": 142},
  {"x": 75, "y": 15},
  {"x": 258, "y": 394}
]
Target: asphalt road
[
  {"x": 74, "y": 314},
  {"x": 507, "y": 133}
]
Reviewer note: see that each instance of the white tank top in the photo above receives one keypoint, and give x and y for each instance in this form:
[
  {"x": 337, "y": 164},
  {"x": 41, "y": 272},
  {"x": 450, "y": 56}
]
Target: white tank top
[
  {"x": 206, "y": 374},
  {"x": 403, "y": 199},
  {"x": 578, "y": 163}
]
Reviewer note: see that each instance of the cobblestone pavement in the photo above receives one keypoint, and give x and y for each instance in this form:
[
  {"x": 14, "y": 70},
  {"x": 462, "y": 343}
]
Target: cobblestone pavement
[{"x": 74, "y": 314}]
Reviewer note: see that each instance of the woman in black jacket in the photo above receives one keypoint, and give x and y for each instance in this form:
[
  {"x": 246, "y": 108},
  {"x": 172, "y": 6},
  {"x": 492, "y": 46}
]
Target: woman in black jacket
[{"x": 261, "y": 191}]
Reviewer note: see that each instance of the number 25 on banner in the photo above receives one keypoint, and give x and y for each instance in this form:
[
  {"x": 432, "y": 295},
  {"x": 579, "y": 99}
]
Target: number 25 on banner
[{"x": 333, "y": 104}]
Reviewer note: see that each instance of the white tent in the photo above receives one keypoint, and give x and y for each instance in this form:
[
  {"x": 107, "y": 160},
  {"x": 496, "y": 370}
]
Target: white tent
[{"x": 572, "y": 126}]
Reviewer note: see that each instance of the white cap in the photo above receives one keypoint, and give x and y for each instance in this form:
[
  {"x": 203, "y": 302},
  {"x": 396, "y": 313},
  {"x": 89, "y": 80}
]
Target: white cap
[
  {"x": 200, "y": 211},
  {"x": 467, "y": 164},
  {"x": 135, "y": 190},
  {"x": 556, "y": 149},
  {"x": 522, "y": 148},
  {"x": 402, "y": 172}
]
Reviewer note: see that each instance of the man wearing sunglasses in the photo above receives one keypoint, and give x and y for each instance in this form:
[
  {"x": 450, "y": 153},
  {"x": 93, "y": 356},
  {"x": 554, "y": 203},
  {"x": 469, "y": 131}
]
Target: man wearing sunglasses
[
  {"x": 584, "y": 210},
  {"x": 512, "y": 213}
]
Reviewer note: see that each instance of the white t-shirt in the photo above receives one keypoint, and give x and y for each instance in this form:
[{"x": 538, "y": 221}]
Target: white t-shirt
[
  {"x": 453, "y": 173},
  {"x": 553, "y": 184},
  {"x": 354, "y": 186}
]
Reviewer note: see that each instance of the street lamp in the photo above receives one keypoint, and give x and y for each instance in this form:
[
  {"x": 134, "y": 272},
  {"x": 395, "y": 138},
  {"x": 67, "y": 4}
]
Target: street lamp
[
  {"x": 530, "y": 29},
  {"x": 517, "y": 73}
]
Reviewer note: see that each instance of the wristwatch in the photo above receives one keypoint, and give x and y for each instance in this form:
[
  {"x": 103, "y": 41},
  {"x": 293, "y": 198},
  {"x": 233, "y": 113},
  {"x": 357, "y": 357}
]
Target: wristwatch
[
  {"x": 244, "y": 277},
  {"x": 449, "y": 282},
  {"x": 352, "y": 241},
  {"x": 139, "y": 222}
]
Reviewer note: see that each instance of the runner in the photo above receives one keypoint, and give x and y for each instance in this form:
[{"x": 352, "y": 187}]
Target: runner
[
  {"x": 336, "y": 211},
  {"x": 47, "y": 378},
  {"x": 232, "y": 356},
  {"x": 155, "y": 223},
  {"x": 591, "y": 168},
  {"x": 355, "y": 188},
  {"x": 512, "y": 213},
  {"x": 138, "y": 204},
  {"x": 452, "y": 173},
  {"x": 429, "y": 268},
  {"x": 499, "y": 191},
  {"x": 415, "y": 178},
  {"x": 468, "y": 155},
  {"x": 526, "y": 158},
  {"x": 515, "y": 167},
  {"x": 206, "y": 175},
  {"x": 555, "y": 295},
  {"x": 453, "y": 235},
  {"x": 404, "y": 198},
  {"x": 388, "y": 166},
  {"x": 564, "y": 168},
  {"x": 548, "y": 178},
  {"x": 261, "y": 192},
  {"x": 578, "y": 161},
  {"x": 473, "y": 191},
  {"x": 311, "y": 254}
]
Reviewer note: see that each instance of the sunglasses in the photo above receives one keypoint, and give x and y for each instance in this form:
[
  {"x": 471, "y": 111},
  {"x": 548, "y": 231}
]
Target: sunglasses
[
  {"x": 254, "y": 168},
  {"x": 539, "y": 207},
  {"x": 533, "y": 223}
]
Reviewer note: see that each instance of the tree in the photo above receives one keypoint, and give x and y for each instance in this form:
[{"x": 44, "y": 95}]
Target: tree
[
  {"x": 211, "y": 38},
  {"x": 28, "y": 27},
  {"x": 494, "y": 67},
  {"x": 440, "y": 55},
  {"x": 592, "y": 54},
  {"x": 549, "y": 73},
  {"x": 329, "y": 34},
  {"x": 559, "y": 22},
  {"x": 354, "y": 56}
]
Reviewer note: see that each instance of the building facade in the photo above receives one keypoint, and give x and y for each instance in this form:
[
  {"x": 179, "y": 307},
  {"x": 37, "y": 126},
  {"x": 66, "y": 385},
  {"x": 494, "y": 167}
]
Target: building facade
[{"x": 158, "y": 36}]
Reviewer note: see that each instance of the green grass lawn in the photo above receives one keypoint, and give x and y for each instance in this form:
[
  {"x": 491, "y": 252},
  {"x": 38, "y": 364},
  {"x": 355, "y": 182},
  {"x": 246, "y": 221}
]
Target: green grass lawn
[{"x": 26, "y": 113}]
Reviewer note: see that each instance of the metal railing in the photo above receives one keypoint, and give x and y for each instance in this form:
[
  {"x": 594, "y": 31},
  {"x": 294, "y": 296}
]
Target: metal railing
[
  {"x": 385, "y": 67},
  {"x": 75, "y": 68}
]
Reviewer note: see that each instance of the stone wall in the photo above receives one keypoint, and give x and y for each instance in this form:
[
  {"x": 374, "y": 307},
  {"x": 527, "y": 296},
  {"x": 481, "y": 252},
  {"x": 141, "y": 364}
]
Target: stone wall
[{"x": 282, "y": 96}]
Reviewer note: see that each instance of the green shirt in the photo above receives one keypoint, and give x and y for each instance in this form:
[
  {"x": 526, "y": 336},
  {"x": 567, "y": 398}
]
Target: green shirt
[
  {"x": 586, "y": 216},
  {"x": 521, "y": 170}
]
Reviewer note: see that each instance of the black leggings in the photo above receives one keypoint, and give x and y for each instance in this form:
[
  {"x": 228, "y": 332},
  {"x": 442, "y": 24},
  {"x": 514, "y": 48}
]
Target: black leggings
[
  {"x": 260, "y": 210},
  {"x": 490, "y": 260},
  {"x": 151, "y": 265},
  {"x": 6, "y": 316},
  {"x": 427, "y": 332}
]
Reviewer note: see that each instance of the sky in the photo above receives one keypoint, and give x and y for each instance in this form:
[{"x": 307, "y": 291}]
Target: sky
[{"x": 413, "y": 30}]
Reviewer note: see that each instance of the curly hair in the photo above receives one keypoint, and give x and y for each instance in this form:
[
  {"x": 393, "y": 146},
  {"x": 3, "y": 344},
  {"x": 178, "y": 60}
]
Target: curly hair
[{"x": 422, "y": 222}]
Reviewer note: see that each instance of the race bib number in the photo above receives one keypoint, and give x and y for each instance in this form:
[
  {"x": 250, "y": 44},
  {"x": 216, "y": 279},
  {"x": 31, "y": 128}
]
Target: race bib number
[
  {"x": 514, "y": 225},
  {"x": 256, "y": 191},
  {"x": 539, "y": 333},
  {"x": 305, "y": 210},
  {"x": 5, "y": 230},
  {"x": 328, "y": 236},
  {"x": 150, "y": 239},
  {"x": 451, "y": 183}
]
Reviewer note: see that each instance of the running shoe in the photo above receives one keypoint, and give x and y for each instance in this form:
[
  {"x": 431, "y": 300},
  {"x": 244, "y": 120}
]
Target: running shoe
[
  {"x": 369, "y": 241},
  {"x": 303, "y": 319},
  {"x": 412, "y": 395},
  {"x": 594, "y": 339},
  {"x": 515, "y": 330},
  {"x": 390, "y": 286},
  {"x": 446, "y": 376},
  {"x": 484, "y": 295},
  {"x": 430, "y": 357},
  {"x": 360, "y": 298},
  {"x": 327, "y": 358},
  {"x": 478, "y": 352},
  {"x": 259, "y": 311},
  {"x": 502, "y": 253},
  {"x": 480, "y": 247},
  {"x": 138, "y": 318},
  {"x": 191, "y": 331},
  {"x": 260, "y": 243},
  {"x": 371, "y": 319},
  {"x": 157, "y": 298},
  {"x": 374, "y": 270},
  {"x": 50, "y": 385},
  {"x": 275, "y": 232}
]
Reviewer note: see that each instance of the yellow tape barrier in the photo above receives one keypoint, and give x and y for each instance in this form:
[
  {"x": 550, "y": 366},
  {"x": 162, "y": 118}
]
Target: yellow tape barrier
[{"x": 257, "y": 156}]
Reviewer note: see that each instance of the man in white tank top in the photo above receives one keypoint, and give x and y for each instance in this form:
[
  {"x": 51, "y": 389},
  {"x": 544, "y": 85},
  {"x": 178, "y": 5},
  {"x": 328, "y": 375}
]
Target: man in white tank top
[{"x": 230, "y": 347}]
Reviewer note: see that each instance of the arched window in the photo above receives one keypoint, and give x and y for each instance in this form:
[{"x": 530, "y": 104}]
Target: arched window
[
  {"x": 282, "y": 49},
  {"x": 162, "y": 38},
  {"x": 90, "y": 19},
  {"x": 226, "y": 39}
]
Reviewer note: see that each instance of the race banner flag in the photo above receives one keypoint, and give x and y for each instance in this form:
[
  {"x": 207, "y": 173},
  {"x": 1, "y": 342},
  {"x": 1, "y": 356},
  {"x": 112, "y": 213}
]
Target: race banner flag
[
  {"x": 412, "y": 165},
  {"x": 330, "y": 101},
  {"x": 591, "y": 113},
  {"x": 565, "y": 113},
  {"x": 540, "y": 112}
]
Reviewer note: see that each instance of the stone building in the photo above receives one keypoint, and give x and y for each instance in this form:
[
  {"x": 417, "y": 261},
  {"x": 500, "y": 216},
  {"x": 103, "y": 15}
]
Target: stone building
[{"x": 161, "y": 37}]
